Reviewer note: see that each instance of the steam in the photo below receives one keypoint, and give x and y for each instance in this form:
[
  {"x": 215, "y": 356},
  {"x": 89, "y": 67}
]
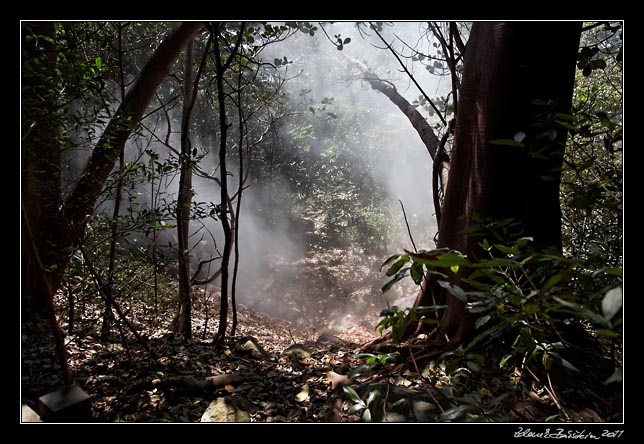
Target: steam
[{"x": 279, "y": 272}]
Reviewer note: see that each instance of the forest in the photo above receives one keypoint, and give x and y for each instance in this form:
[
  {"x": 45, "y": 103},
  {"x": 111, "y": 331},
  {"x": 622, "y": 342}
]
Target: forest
[{"x": 322, "y": 222}]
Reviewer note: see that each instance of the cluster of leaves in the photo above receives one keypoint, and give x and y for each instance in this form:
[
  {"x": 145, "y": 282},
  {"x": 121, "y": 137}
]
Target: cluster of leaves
[{"x": 526, "y": 302}]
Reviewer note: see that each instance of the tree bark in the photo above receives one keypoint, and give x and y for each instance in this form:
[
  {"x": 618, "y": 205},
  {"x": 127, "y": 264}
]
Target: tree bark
[
  {"x": 416, "y": 119},
  {"x": 184, "y": 202},
  {"x": 225, "y": 207},
  {"x": 41, "y": 163},
  {"x": 58, "y": 226},
  {"x": 507, "y": 67}
]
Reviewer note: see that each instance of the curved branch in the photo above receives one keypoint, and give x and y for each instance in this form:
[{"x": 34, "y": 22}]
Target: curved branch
[
  {"x": 410, "y": 76},
  {"x": 419, "y": 123}
]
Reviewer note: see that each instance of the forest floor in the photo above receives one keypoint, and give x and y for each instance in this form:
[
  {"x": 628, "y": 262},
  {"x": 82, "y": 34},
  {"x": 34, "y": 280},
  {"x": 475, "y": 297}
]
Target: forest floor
[{"x": 288, "y": 362}]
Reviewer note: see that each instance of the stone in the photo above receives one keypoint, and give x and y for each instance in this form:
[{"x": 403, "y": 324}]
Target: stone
[
  {"x": 29, "y": 414},
  {"x": 226, "y": 409},
  {"x": 67, "y": 404}
]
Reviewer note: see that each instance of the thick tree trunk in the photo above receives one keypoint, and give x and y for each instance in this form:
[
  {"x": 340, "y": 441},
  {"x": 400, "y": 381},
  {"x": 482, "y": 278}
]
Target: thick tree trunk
[
  {"x": 507, "y": 67},
  {"x": 58, "y": 227},
  {"x": 41, "y": 162}
]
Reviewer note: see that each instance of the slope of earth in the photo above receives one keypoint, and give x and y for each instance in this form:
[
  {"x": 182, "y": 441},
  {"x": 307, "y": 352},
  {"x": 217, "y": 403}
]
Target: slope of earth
[{"x": 283, "y": 363}]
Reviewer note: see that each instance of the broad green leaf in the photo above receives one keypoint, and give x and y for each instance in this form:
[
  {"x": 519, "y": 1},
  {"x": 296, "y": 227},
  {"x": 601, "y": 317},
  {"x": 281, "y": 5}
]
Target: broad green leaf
[
  {"x": 565, "y": 362},
  {"x": 389, "y": 260},
  {"x": 455, "y": 291},
  {"x": 605, "y": 121},
  {"x": 606, "y": 333},
  {"x": 615, "y": 377},
  {"x": 417, "y": 274},
  {"x": 401, "y": 274},
  {"x": 613, "y": 271},
  {"x": 439, "y": 258},
  {"x": 371, "y": 396},
  {"x": 566, "y": 125},
  {"x": 612, "y": 302},
  {"x": 397, "y": 265},
  {"x": 568, "y": 304},
  {"x": 454, "y": 413},
  {"x": 507, "y": 250},
  {"x": 504, "y": 360},
  {"x": 507, "y": 142},
  {"x": 482, "y": 321},
  {"x": 454, "y": 268},
  {"x": 356, "y": 407},
  {"x": 531, "y": 309},
  {"x": 366, "y": 415},
  {"x": 555, "y": 279},
  {"x": 353, "y": 395}
]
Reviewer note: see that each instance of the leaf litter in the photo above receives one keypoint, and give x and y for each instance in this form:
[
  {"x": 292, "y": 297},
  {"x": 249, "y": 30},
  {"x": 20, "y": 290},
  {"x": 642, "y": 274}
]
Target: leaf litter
[{"x": 288, "y": 366}]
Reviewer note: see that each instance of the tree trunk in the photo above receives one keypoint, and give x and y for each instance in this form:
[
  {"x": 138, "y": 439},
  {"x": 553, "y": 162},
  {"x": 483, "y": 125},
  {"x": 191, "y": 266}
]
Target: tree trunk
[
  {"x": 58, "y": 229},
  {"x": 41, "y": 179},
  {"x": 225, "y": 223},
  {"x": 41, "y": 163},
  {"x": 184, "y": 202},
  {"x": 507, "y": 67}
]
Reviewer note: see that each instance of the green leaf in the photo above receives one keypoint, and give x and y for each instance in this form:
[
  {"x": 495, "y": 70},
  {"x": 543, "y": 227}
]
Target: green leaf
[
  {"x": 401, "y": 274},
  {"x": 507, "y": 142},
  {"x": 397, "y": 265},
  {"x": 353, "y": 395},
  {"x": 568, "y": 365},
  {"x": 504, "y": 360},
  {"x": 615, "y": 377},
  {"x": 389, "y": 260},
  {"x": 531, "y": 309},
  {"x": 553, "y": 280},
  {"x": 454, "y": 268},
  {"x": 371, "y": 396},
  {"x": 566, "y": 125},
  {"x": 606, "y": 333},
  {"x": 568, "y": 304},
  {"x": 507, "y": 250},
  {"x": 439, "y": 258},
  {"x": 366, "y": 415},
  {"x": 612, "y": 303},
  {"x": 417, "y": 273},
  {"x": 613, "y": 271},
  {"x": 457, "y": 292},
  {"x": 482, "y": 321},
  {"x": 454, "y": 413},
  {"x": 605, "y": 121}
]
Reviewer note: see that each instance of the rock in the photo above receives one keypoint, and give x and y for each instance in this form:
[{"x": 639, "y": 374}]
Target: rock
[
  {"x": 67, "y": 404},
  {"x": 250, "y": 345},
  {"x": 329, "y": 339},
  {"x": 29, "y": 415},
  {"x": 297, "y": 352},
  {"x": 226, "y": 409}
]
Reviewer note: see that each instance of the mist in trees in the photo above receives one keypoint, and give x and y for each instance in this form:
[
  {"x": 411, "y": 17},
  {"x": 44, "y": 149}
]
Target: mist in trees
[{"x": 432, "y": 193}]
